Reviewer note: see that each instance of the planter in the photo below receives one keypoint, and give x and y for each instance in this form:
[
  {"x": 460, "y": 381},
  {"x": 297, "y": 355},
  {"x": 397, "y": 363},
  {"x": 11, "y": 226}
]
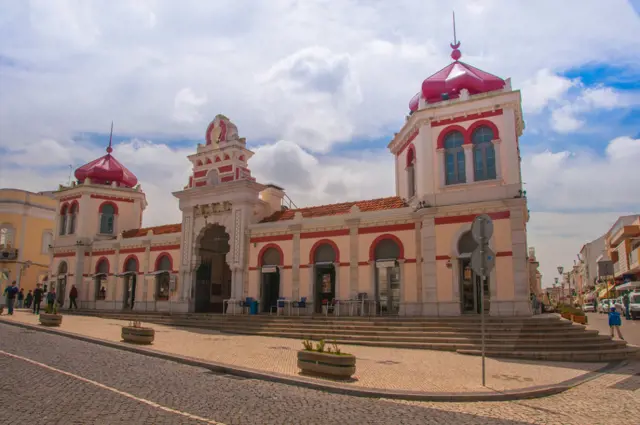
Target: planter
[
  {"x": 566, "y": 316},
  {"x": 138, "y": 335},
  {"x": 579, "y": 319},
  {"x": 335, "y": 366},
  {"x": 50, "y": 319}
]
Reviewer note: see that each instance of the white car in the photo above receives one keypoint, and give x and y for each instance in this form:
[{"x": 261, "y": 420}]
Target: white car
[
  {"x": 589, "y": 308},
  {"x": 634, "y": 305},
  {"x": 604, "y": 306}
]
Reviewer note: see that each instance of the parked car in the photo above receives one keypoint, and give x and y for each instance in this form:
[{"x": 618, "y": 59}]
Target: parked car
[
  {"x": 604, "y": 306},
  {"x": 634, "y": 305},
  {"x": 589, "y": 308}
]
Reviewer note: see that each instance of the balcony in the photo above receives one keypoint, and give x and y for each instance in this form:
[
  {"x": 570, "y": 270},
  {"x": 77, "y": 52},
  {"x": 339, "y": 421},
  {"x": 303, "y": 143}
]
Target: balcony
[
  {"x": 634, "y": 260},
  {"x": 623, "y": 233},
  {"x": 8, "y": 254}
]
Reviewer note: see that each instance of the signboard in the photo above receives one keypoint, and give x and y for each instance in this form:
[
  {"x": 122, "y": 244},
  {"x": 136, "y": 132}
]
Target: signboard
[
  {"x": 269, "y": 269},
  {"x": 483, "y": 263},
  {"x": 385, "y": 263},
  {"x": 482, "y": 227}
]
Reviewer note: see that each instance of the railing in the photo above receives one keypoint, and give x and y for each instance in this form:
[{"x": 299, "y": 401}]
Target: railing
[{"x": 288, "y": 203}]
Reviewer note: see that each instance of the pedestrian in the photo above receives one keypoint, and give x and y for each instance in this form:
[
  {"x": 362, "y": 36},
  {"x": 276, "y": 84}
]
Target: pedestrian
[
  {"x": 615, "y": 322},
  {"x": 37, "y": 299},
  {"x": 11, "y": 292},
  {"x": 20, "y": 298},
  {"x": 73, "y": 294},
  {"x": 28, "y": 299},
  {"x": 51, "y": 299},
  {"x": 626, "y": 302},
  {"x": 595, "y": 305}
]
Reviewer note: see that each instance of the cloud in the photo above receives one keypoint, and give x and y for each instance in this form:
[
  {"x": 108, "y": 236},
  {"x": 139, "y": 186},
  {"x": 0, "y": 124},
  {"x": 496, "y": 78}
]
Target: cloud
[
  {"x": 543, "y": 88},
  {"x": 186, "y": 106}
]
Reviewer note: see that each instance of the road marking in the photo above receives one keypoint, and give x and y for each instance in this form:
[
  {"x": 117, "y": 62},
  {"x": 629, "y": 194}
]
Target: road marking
[{"x": 122, "y": 393}]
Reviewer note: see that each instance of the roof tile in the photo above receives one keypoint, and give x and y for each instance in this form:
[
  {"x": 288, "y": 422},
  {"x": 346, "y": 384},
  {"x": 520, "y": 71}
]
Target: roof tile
[{"x": 157, "y": 230}]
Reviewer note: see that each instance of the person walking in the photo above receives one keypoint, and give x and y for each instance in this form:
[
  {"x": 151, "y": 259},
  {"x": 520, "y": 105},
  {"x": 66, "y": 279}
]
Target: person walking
[
  {"x": 10, "y": 293},
  {"x": 37, "y": 299},
  {"x": 51, "y": 299},
  {"x": 20, "y": 298},
  {"x": 615, "y": 322},
  {"x": 28, "y": 299},
  {"x": 73, "y": 294},
  {"x": 626, "y": 302}
]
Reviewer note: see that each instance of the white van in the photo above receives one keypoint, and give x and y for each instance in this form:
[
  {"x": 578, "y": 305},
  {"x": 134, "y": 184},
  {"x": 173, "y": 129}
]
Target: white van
[{"x": 634, "y": 304}]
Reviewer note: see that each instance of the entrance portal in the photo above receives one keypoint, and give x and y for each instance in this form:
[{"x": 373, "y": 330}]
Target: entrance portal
[
  {"x": 387, "y": 288},
  {"x": 62, "y": 283},
  {"x": 470, "y": 284},
  {"x": 129, "y": 283},
  {"x": 270, "y": 289},
  {"x": 324, "y": 258},
  {"x": 213, "y": 276}
]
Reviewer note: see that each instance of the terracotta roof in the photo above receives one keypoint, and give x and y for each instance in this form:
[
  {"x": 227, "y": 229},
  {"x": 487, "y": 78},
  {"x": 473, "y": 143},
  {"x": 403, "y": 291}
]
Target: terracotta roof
[
  {"x": 379, "y": 204},
  {"x": 157, "y": 230}
]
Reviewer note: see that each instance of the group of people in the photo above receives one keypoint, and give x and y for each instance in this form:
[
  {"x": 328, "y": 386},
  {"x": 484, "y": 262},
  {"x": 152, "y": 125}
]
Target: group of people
[{"x": 15, "y": 298}]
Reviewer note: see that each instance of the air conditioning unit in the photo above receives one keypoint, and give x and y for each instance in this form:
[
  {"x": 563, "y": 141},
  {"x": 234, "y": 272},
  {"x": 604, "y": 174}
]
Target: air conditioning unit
[{"x": 8, "y": 254}]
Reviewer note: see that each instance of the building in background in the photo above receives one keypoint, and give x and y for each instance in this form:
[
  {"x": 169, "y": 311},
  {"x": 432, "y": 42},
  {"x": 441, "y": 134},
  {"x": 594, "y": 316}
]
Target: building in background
[
  {"x": 535, "y": 277},
  {"x": 26, "y": 235}
]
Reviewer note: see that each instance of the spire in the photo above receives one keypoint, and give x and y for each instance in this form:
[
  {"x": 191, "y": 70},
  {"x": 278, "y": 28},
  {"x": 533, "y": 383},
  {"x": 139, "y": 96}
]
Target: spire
[
  {"x": 109, "y": 148},
  {"x": 455, "y": 55}
]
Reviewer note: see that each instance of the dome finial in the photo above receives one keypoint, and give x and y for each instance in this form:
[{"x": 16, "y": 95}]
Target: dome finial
[
  {"x": 109, "y": 148},
  {"x": 455, "y": 55}
]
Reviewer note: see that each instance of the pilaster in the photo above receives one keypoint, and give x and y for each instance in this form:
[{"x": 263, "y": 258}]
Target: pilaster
[
  {"x": 336, "y": 267},
  {"x": 519, "y": 254},
  {"x": 498, "y": 156},
  {"x": 440, "y": 167},
  {"x": 429, "y": 266},
  {"x": 353, "y": 255},
  {"x": 468, "y": 163},
  {"x": 295, "y": 263}
]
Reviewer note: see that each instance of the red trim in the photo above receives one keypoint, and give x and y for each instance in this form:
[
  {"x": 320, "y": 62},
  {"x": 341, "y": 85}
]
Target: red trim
[
  {"x": 264, "y": 249},
  {"x": 201, "y": 183},
  {"x": 315, "y": 246},
  {"x": 241, "y": 158},
  {"x": 164, "y": 247},
  {"x": 226, "y": 178},
  {"x": 304, "y": 266},
  {"x": 191, "y": 181},
  {"x": 450, "y": 129},
  {"x": 225, "y": 169},
  {"x": 209, "y": 161},
  {"x": 226, "y": 157},
  {"x": 363, "y": 263},
  {"x": 100, "y": 262},
  {"x": 112, "y": 198},
  {"x": 64, "y": 208},
  {"x": 324, "y": 234},
  {"x": 199, "y": 174},
  {"x": 376, "y": 241},
  {"x": 237, "y": 173},
  {"x": 159, "y": 257},
  {"x": 274, "y": 238},
  {"x": 113, "y": 204},
  {"x": 198, "y": 163},
  {"x": 131, "y": 250},
  {"x": 124, "y": 263},
  {"x": 287, "y": 267},
  {"x": 443, "y": 257},
  {"x": 467, "y": 118},
  {"x": 389, "y": 228},
  {"x": 410, "y": 260},
  {"x": 74, "y": 204},
  {"x": 345, "y": 264},
  {"x": 480, "y": 123},
  {"x": 105, "y": 252},
  {"x": 217, "y": 160},
  {"x": 409, "y": 140},
  {"x": 411, "y": 155},
  {"x": 64, "y": 254},
  {"x": 469, "y": 218},
  {"x": 504, "y": 254},
  {"x": 70, "y": 198}
]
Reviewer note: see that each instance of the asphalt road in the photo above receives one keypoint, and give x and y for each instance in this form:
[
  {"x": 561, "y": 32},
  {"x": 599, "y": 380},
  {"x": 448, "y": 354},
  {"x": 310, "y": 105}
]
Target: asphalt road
[
  {"x": 50, "y": 379},
  {"x": 630, "y": 328}
]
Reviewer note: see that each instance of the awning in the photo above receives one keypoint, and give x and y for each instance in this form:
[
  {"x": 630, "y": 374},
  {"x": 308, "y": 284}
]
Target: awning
[
  {"x": 99, "y": 275},
  {"x": 157, "y": 272},
  {"x": 125, "y": 274},
  {"x": 628, "y": 286}
]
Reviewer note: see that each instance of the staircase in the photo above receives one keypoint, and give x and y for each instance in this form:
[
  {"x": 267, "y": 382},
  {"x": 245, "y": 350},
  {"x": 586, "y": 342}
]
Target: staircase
[{"x": 545, "y": 337}]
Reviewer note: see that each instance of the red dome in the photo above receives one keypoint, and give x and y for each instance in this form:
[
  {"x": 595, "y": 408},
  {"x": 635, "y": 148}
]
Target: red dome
[{"x": 106, "y": 170}]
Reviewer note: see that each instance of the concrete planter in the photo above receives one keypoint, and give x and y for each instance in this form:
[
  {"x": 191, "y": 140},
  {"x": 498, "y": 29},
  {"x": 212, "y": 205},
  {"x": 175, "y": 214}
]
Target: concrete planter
[
  {"x": 566, "y": 316},
  {"x": 50, "y": 319},
  {"x": 138, "y": 335},
  {"x": 579, "y": 319},
  {"x": 328, "y": 365}
]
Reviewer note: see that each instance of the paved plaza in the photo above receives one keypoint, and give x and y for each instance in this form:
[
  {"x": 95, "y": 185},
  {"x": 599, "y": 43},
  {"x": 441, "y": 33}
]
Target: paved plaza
[
  {"x": 630, "y": 328},
  {"x": 377, "y": 367},
  {"x": 54, "y": 379}
]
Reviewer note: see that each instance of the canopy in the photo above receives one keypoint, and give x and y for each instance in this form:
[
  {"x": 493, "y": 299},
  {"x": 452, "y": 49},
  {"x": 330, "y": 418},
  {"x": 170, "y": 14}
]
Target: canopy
[{"x": 628, "y": 286}]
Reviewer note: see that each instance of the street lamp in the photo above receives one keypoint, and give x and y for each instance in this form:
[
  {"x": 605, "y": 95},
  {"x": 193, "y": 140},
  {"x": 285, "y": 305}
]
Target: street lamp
[{"x": 560, "y": 270}]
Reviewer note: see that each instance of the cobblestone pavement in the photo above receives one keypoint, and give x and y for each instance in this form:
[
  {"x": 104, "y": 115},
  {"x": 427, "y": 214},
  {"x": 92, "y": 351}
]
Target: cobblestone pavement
[
  {"x": 630, "y": 328},
  {"x": 378, "y": 367},
  {"x": 35, "y": 394}
]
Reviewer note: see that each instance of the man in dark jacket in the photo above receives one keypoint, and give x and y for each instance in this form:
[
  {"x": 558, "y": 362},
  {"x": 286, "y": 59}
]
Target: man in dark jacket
[
  {"x": 11, "y": 292},
  {"x": 73, "y": 294},
  {"x": 37, "y": 299}
]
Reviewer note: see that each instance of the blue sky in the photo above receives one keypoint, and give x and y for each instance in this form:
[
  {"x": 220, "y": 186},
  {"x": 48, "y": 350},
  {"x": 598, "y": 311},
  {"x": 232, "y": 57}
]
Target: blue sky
[{"x": 318, "y": 92}]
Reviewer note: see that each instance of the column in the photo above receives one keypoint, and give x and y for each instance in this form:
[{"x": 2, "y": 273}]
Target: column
[
  {"x": 336, "y": 267},
  {"x": 468, "y": 162},
  {"x": 429, "y": 267},
  {"x": 440, "y": 167},
  {"x": 419, "y": 253},
  {"x": 353, "y": 256},
  {"x": 312, "y": 278},
  {"x": 295, "y": 264},
  {"x": 372, "y": 280},
  {"x": 402, "y": 311},
  {"x": 496, "y": 148},
  {"x": 519, "y": 259}
]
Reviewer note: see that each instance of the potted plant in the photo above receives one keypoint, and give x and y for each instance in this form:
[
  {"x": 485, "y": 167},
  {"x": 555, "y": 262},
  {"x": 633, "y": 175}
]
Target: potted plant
[
  {"x": 325, "y": 361},
  {"x": 51, "y": 317},
  {"x": 574, "y": 314},
  {"x": 137, "y": 333}
]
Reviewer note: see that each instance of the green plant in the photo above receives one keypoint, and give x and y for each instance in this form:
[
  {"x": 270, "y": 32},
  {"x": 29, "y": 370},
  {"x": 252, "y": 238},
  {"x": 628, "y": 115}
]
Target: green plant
[
  {"x": 308, "y": 345},
  {"x": 135, "y": 323},
  {"x": 336, "y": 349},
  {"x": 571, "y": 310},
  {"x": 55, "y": 308},
  {"x": 320, "y": 346}
]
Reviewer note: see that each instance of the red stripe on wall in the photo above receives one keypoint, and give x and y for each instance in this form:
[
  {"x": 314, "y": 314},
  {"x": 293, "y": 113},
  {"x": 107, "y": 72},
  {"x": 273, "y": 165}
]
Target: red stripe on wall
[
  {"x": 363, "y": 263},
  {"x": 164, "y": 247},
  {"x": 274, "y": 238},
  {"x": 200, "y": 173},
  {"x": 442, "y": 257},
  {"x": 131, "y": 250},
  {"x": 324, "y": 234},
  {"x": 70, "y": 198},
  {"x": 385, "y": 229},
  {"x": 504, "y": 254},
  {"x": 201, "y": 183},
  {"x": 225, "y": 169},
  {"x": 466, "y": 118},
  {"x": 411, "y": 260},
  {"x": 107, "y": 252},
  {"x": 111, "y": 198},
  {"x": 409, "y": 140},
  {"x": 227, "y": 178},
  {"x": 469, "y": 217},
  {"x": 64, "y": 254}
]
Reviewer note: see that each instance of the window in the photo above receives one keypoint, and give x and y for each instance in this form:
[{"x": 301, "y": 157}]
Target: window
[
  {"x": 484, "y": 155},
  {"x": 107, "y": 217},
  {"x": 6, "y": 236},
  {"x": 411, "y": 173},
  {"x": 63, "y": 221},
  {"x": 73, "y": 212},
  {"x": 454, "y": 162},
  {"x": 47, "y": 239},
  {"x": 163, "y": 279}
]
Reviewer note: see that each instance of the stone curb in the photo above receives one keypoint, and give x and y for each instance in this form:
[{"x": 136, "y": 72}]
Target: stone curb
[{"x": 508, "y": 395}]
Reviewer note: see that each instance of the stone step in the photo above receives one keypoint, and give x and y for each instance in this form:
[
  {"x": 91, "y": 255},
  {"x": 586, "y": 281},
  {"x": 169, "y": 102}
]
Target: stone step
[{"x": 604, "y": 355}]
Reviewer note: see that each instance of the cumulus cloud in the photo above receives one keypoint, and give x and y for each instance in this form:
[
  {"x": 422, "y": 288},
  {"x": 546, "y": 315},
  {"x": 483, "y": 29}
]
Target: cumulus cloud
[
  {"x": 186, "y": 106},
  {"x": 543, "y": 88}
]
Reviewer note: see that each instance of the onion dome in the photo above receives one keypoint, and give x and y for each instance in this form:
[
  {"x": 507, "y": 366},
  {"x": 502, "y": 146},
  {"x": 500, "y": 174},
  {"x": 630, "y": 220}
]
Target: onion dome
[
  {"x": 450, "y": 80},
  {"x": 106, "y": 170}
]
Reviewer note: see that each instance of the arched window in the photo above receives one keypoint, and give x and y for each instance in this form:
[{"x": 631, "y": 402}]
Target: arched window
[
  {"x": 454, "y": 158},
  {"x": 411, "y": 172},
  {"x": 162, "y": 279},
  {"x": 73, "y": 212},
  {"x": 107, "y": 217},
  {"x": 484, "y": 155},
  {"x": 7, "y": 233},
  {"x": 63, "y": 220}
]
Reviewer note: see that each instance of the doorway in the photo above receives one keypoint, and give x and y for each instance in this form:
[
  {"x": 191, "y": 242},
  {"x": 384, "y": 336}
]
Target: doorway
[
  {"x": 388, "y": 279},
  {"x": 130, "y": 281},
  {"x": 325, "y": 285},
  {"x": 470, "y": 283},
  {"x": 61, "y": 288},
  {"x": 213, "y": 275},
  {"x": 270, "y": 280}
]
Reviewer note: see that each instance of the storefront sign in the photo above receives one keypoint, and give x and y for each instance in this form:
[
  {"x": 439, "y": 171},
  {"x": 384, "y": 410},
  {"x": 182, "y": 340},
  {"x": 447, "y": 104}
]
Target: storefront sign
[{"x": 269, "y": 269}]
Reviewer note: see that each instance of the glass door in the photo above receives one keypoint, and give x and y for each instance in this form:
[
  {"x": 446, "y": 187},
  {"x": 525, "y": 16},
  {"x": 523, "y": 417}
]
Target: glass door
[
  {"x": 467, "y": 287},
  {"x": 388, "y": 288}
]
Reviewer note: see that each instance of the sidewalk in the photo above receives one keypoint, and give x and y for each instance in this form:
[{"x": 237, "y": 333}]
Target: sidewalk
[{"x": 377, "y": 368}]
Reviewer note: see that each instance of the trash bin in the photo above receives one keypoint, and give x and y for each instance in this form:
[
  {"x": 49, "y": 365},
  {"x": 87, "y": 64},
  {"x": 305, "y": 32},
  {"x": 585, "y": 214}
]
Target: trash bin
[{"x": 254, "y": 307}]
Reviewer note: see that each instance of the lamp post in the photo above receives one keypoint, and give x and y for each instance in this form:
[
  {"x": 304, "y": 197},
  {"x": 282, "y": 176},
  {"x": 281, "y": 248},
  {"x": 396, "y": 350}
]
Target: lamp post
[{"x": 560, "y": 270}]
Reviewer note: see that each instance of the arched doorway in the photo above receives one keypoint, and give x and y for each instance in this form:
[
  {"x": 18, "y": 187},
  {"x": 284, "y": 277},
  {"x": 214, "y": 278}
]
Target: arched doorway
[
  {"x": 469, "y": 282},
  {"x": 213, "y": 276},
  {"x": 130, "y": 280},
  {"x": 324, "y": 259},
  {"x": 270, "y": 287},
  {"x": 387, "y": 284},
  {"x": 100, "y": 279},
  {"x": 61, "y": 286}
]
